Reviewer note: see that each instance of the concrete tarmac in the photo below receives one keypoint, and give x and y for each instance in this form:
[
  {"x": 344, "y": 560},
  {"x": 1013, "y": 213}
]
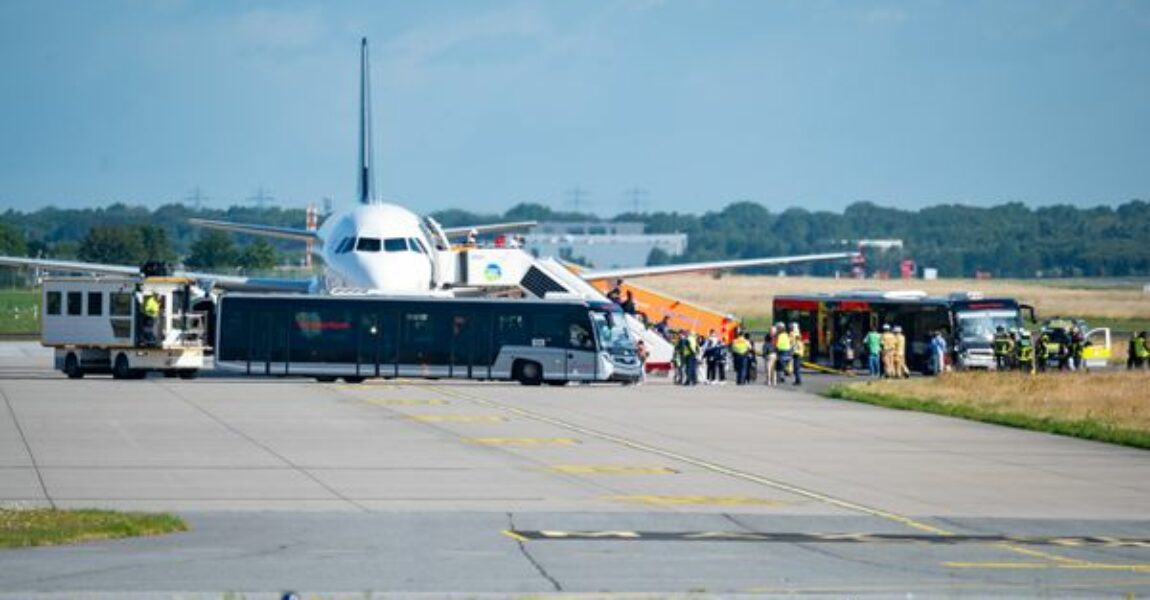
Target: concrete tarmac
[{"x": 434, "y": 488}]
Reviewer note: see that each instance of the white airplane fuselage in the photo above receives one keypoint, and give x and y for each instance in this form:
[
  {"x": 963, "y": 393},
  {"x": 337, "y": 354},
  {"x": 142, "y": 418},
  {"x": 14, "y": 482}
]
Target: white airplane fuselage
[{"x": 378, "y": 247}]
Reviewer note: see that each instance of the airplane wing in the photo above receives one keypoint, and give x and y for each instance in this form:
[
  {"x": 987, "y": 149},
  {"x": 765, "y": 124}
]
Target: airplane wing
[
  {"x": 70, "y": 266},
  {"x": 288, "y": 233},
  {"x": 722, "y": 265},
  {"x": 225, "y": 282},
  {"x": 455, "y": 232}
]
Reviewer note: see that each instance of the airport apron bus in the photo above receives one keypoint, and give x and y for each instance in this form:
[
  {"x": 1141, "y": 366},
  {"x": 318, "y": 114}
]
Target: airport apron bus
[
  {"x": 968, "y": 322},
  {"x": 549, "y": 341}
]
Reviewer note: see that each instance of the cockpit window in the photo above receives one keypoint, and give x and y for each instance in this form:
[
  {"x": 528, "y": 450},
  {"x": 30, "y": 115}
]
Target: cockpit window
[
  {"x": 416, "y": 245},
  {"x": 365, "y": 244},
  {"x": 394, "y": 245},
  {"x": 345, "y": 245}
]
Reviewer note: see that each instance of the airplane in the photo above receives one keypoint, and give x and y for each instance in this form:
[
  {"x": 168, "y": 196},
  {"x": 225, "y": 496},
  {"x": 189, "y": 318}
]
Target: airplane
[{"x": 383, "y": 248}]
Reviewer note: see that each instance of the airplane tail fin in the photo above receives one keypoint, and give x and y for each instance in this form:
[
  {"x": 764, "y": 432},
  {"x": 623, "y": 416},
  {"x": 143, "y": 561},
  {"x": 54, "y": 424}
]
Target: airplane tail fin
[{"x": 365, "y": 175}]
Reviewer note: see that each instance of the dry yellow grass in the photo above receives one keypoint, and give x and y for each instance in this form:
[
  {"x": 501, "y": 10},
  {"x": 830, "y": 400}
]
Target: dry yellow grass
[
  {"x": 751, "y": 295},
  {"x": 1112, "y": 398}
]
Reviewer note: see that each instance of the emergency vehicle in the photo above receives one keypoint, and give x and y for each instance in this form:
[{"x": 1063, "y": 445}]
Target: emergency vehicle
[{"x": 126, "y": 326}]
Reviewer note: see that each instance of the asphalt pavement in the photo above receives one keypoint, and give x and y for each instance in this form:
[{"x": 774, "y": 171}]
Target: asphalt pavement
[{"x": 465, "y": 489}]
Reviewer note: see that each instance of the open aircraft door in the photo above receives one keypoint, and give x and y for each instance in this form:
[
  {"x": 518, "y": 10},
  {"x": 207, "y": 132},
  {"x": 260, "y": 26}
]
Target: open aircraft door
[{"x": 1096, "y": 352}]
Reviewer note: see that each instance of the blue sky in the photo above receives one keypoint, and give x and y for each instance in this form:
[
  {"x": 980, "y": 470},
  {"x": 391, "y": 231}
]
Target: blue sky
[{"x": 481, "y": 105}]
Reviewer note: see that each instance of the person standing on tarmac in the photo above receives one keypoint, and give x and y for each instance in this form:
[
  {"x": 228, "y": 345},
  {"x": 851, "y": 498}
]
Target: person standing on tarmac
[
  {"x": 798, "y": 350},
  {"x": 873, "y": 344},
  {"x": 901, "y": 371},
  {"x": 692, "y": 362},
  {"x": 938, "y": 353},
  {"x": 783, "y": 346},
  {"x": 770, "y": 357},
  {"x": 888, "y": 347},
  {"x": 740, "y": 347}
]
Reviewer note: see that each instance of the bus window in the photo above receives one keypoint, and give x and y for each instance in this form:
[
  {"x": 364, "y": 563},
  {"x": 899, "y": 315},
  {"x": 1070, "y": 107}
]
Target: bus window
[
  {"x": 324, "y": 335},
  {"x": 54, "y": 302},
  {"x": 120, "y": 304},
  {"x": 510, "y": 330},
  {"x": 424, "y": 339},
  {"x": 551, "y": 327},
  {"x": 75, "y": 303},
  {"x": 95, "y": 304},
  {"x": 579, "y": 337}
]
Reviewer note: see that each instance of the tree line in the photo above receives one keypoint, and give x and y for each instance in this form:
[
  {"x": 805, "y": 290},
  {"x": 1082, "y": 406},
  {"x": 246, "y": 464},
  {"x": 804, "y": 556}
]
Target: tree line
[{"x": 1008, "y": 240}]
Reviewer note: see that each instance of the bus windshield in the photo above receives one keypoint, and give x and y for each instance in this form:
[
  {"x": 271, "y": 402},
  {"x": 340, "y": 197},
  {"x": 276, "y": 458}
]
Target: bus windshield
[
  {"x": 980, "y": 325},
  {"x": 611, "y": 330}
]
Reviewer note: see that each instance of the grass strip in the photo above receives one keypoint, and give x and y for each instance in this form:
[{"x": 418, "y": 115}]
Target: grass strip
[
  {"x": 23, "y": 527},
  {"x": 1089, "y": 429}
]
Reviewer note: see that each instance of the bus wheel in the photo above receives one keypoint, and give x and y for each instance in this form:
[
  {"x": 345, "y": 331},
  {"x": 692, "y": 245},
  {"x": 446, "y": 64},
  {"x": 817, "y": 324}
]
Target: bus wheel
[
  {"x": 529, "y": 373},
  {"x": 325, "y": 379},
  {"x": 557, "y": 383},
  {"x": 354, "y": 379},
  {"x": 189, "y": 373},
  {"x": 72, "y": 366},
  {"x": 120, "y": 368}
]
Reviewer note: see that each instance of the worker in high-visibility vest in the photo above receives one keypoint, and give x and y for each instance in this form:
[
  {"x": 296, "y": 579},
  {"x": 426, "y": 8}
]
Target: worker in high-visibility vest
[
  {"x": 783, "y": 347},
  {"x": 740, "y": 347},
  {"x": 1139, "y": 351},
  {"x": 798, "y": 350},
  {"x": 151, "y": 308}
]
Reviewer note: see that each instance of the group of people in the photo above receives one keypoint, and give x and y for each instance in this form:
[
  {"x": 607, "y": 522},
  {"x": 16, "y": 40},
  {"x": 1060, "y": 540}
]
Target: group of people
[
  {"x": 697, "y": 357},
  {"x": 886, "y": 352},
  {"x": 1018, "y": 349}
]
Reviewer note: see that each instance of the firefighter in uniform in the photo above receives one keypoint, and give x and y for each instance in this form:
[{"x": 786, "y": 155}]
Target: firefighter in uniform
[
  {"x": 1003, "y": 348},
  {"x": 888, "y": 343},
  {"x": 1042, "y": 351},
  {"x": 901, "y": 370},
  {"x": 1024, "y": 352}
]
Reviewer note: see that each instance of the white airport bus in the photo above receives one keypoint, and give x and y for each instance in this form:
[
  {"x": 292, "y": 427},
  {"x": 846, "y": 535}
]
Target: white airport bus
[
  {"x": 350, "y": 337},
  {"x": 98, "y": 325}
]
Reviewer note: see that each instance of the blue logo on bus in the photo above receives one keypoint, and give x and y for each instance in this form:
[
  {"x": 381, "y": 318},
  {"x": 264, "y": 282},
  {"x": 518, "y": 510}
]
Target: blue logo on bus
[{"x": 492, "y": 272}]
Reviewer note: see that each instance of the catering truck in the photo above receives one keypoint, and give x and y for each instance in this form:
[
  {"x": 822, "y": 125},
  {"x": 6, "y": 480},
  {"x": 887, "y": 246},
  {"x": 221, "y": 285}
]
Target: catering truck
[{"x": 126, "y": 326}]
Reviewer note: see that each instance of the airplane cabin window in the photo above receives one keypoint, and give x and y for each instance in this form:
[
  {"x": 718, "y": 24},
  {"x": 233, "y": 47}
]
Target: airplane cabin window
[
  {"x": 367, "y": 245},
  {"x": 395, "y": 245}
]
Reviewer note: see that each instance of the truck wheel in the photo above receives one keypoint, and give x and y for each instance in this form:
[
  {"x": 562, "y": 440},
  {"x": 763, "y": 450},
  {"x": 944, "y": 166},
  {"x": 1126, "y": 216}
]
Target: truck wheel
[
  {"x": 189, "y": 373},
  {"x": 325, "y": 379},
  {"x": 72, "y": 366},
  {"x": 529, "y": 372},
  {"x": 354, "y": 379},
  {"x": 121, "y": 369}
]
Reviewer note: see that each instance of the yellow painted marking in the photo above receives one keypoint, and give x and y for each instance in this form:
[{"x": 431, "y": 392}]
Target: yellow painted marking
[
  {"x": 513, "y": 535},
  {"x": 684, "y": 500},
  {"x": 745, "y": 476},
  {"x": 523, "y": 441},
  {"x": 609, "y": 470},
  {"x": 1079, "y": 566},
  {"x": 406, "y": 402},
  {"x": 457, "y": 418}
]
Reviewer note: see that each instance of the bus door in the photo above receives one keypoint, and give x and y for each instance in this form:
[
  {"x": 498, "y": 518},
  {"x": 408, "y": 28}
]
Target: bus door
[
  {"x": 376, "y": 341},
  {"x": 268, "y": 348},
  {"x": 462, "y": 344},
  {"x": 582, "y": 357}
]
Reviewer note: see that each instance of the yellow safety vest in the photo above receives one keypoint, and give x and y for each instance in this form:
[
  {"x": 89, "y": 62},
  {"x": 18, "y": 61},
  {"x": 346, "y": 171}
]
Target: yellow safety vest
[
  {"x": 783, "y": 342},
  {"x": 799, "y": 347},
  {"x": 740, "y": 346},
  {"x": 1140, "y": 348},
  {"x": 151, "y": 306}
]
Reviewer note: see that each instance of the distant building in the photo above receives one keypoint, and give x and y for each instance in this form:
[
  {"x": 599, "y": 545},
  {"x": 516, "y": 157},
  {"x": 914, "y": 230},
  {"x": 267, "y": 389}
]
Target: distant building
[{"x": 602, "y": 245}]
